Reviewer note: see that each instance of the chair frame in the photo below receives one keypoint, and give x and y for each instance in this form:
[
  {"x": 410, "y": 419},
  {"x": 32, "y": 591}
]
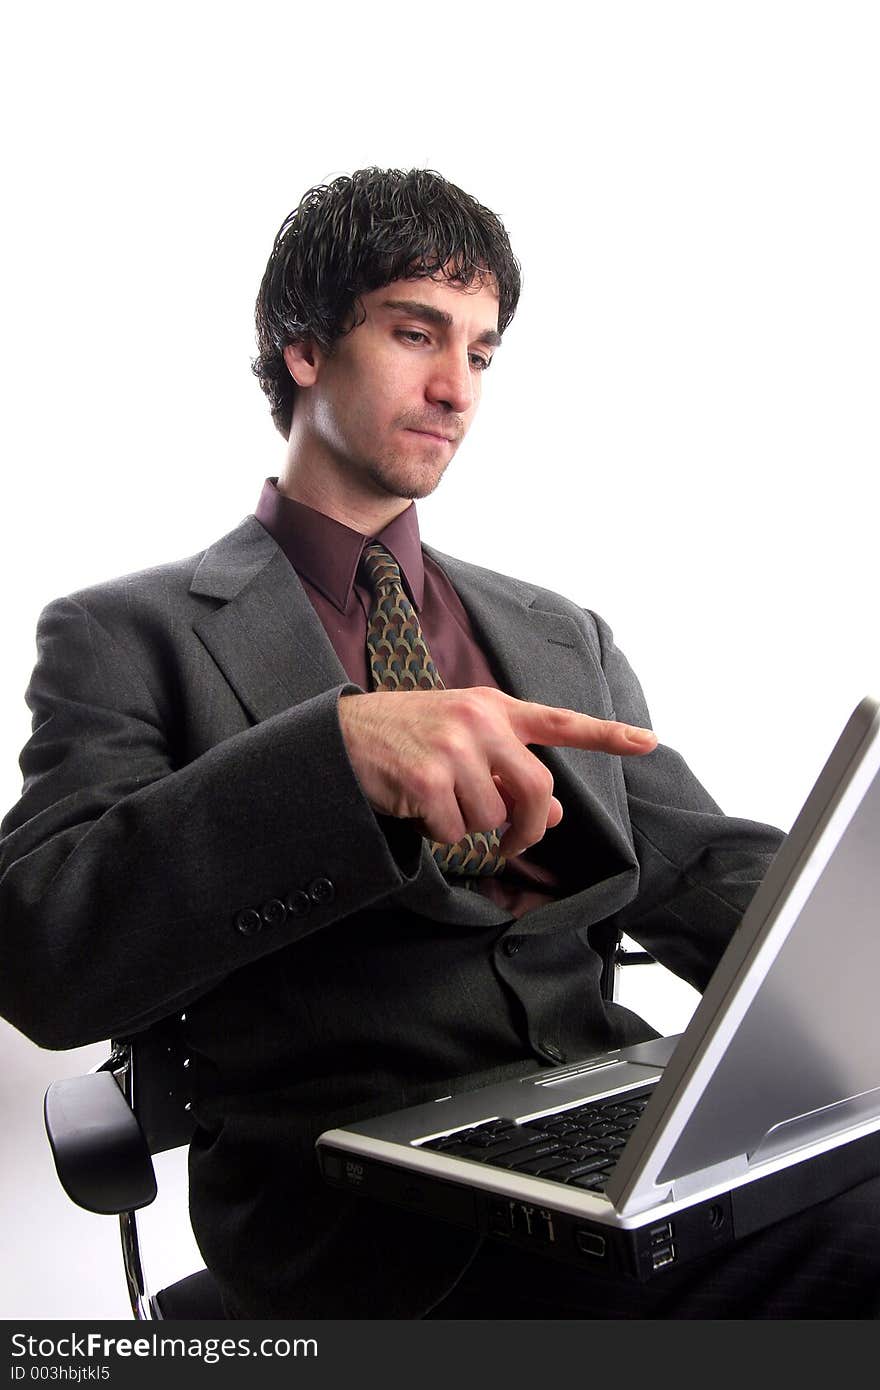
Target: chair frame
[{"x": 120, "y": 1064}]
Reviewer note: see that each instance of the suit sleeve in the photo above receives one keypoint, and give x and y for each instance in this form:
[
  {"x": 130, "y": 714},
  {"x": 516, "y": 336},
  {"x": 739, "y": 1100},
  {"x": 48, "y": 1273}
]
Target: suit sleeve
[
  {"x": 130, "y": 885},
  {"x": 698, "y": 868}
]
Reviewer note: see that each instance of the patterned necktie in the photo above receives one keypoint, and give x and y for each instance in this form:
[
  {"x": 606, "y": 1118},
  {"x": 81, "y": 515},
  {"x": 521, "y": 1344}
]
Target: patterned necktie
[{"x": 400, "y": 660}]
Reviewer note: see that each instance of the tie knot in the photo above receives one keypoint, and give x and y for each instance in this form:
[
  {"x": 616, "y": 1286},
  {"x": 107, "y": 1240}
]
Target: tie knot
[{"x": 380, "y": 567}]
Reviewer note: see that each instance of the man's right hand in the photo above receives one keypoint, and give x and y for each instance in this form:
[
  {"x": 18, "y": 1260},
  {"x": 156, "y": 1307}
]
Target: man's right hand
[{"x": 457, "y": 760}]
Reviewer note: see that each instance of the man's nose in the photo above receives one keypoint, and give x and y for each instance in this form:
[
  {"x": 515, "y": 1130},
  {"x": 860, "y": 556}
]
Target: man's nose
[{"x": 452, "y": 382}]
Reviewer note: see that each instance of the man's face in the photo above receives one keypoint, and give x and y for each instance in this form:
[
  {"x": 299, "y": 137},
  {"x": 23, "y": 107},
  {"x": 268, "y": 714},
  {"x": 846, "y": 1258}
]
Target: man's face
[{"x": 391, "y": 405}]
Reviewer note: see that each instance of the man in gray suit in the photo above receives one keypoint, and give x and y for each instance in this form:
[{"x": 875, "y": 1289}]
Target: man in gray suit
[{"x": 357, "y": 900}]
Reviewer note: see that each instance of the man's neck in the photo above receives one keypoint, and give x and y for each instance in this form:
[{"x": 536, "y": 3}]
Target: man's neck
[{"x": 324, "y": 491}]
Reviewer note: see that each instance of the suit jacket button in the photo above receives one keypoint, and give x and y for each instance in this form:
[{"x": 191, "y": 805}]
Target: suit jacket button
[
  {"x": 510, "y": 946},
  {"x": 273, "y": 912},
  {"x": 299, "y": 904},
  {"x": 552, "y": 1051},
  {"x": 248, "y": 922},
  {"x": 321, "y": 890}
]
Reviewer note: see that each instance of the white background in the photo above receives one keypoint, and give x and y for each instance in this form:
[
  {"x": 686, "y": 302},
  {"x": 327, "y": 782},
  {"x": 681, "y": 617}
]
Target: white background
[{"x": 680, "y": 430}]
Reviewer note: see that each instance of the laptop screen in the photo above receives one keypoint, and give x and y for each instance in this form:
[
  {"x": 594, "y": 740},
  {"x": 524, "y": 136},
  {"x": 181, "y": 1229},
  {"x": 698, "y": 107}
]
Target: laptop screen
[{"x": 783, "y": 1046}]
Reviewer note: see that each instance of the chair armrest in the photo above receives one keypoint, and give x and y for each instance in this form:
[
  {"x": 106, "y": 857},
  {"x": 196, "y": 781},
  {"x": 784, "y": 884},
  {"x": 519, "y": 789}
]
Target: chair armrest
[
  {"x": 101, "y": 1155},
  {"x": 623, "y": 957}
]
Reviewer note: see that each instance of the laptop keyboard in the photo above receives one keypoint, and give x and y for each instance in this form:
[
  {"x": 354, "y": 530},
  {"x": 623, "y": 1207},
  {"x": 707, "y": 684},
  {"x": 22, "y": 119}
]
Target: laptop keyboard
[{"x": 579, "y": 1147}]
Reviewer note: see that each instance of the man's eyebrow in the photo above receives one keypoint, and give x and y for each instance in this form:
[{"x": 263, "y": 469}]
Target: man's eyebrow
[{"x": 431, "y": 314}]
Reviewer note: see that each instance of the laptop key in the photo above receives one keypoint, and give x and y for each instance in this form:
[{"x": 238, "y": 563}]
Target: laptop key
[
  {"x": 539, "y": 1166},
  {"x": 492, "y": 1131},
  {"x": 564, "y": 1172},
  {"x": 592, "y": 1182},
  {"x": 519, "y": 1143},
  {"x": 444, "y": 1143},
  {"x": 517, "y": 1156}
]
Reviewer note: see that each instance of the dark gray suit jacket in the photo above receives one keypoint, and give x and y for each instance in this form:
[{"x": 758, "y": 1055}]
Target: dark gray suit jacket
[{"x": 191, "y": 834}]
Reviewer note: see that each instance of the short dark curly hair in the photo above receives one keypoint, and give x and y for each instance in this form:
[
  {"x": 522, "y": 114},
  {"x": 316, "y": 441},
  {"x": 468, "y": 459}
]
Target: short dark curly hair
[{"x": 354, "y": 235}]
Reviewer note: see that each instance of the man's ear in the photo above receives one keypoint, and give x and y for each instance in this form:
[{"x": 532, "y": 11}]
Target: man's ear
[{"x": 303, "y": 361}]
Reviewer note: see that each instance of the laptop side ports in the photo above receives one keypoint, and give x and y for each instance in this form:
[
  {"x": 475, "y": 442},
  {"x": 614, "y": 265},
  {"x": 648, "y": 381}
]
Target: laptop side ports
[
  {"x": 590, "y": 1243},
  {"x": 662, "y": 1255},
  {"x": 520, "y": 1219}
]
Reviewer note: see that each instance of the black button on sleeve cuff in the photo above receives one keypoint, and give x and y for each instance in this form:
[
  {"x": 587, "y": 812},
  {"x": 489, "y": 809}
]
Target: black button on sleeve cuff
[
  {"x": 273, "y": 912},
  {"x": 248, "y": 922},
  {"x": 299, "y": 904},
  {"x": 321, "y": 890}
]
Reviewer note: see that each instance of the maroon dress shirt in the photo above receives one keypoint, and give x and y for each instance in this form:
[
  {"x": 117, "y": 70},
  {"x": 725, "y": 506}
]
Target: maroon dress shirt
[{"x": 326, "y": 555}]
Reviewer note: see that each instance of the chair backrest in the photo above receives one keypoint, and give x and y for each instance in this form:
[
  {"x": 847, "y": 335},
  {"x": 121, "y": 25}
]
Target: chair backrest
[
  {"x": 154, "y": 1069},
  {"x": 605, "y": 941}
]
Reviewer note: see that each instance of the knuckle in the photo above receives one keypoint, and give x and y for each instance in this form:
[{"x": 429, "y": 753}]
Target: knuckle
[
  {"x": 428, "y": 783},
  {"x": 451, "y": 743},
  {"x": 538, "y": 780},
  {"x": 560, "y": 720},
  {"x": 545, "y": 777},
  {"x": 487, "y": 815},
  {"x": 471, "y": 708},
  {"x": 446, "y": 831}
]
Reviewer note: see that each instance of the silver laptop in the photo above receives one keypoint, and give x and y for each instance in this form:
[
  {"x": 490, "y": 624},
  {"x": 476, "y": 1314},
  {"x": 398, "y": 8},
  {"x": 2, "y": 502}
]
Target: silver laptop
[{"x": 643, "y": 1158}]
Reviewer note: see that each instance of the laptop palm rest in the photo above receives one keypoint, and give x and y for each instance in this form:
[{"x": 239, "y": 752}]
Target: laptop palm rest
[
  {"x": 519, "y": 1099},
  {"x": 578, "y": 1084}
]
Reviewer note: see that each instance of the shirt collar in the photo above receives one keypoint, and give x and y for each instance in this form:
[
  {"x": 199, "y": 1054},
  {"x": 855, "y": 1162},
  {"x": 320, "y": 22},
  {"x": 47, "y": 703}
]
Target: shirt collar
[{"x": 327, "y": 553}]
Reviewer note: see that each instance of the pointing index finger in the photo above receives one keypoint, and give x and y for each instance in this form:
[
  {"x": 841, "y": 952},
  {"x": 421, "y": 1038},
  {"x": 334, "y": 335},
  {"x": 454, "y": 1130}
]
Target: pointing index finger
[{"x": 550, "y": 726}]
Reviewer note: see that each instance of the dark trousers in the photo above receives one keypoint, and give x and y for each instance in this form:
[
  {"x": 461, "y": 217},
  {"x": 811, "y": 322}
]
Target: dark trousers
[{"x": 822, "y": 1263}]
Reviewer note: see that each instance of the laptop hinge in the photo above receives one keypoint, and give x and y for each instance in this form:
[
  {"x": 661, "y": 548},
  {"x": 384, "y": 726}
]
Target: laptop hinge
[{"x": 716, "y": 1174}]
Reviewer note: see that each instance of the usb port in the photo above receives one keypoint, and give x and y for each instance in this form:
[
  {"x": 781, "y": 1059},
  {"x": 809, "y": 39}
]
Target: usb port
[
  {"x": 662, "y": 1255},
  {"x": 661, "y": 1234},
  {"x": 589, "y": 1243}
]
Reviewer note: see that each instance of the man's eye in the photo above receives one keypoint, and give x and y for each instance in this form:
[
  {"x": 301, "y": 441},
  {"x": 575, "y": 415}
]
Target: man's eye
[{"x": 416, "y": 337}]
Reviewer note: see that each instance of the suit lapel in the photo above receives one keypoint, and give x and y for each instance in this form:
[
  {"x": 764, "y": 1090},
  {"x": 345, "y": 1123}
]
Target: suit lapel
[
  {"x": 529, "y": 646},
  {"x": 267, "y": 638},
  {"x": 542, "y": 655}
]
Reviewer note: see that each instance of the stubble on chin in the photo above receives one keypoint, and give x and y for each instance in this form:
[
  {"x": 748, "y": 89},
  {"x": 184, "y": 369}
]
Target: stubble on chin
[{"x": 400, "y": 475}]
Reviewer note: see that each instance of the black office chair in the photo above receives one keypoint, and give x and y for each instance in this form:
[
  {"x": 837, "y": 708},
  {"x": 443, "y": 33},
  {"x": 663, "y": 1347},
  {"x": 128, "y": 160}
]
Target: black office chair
[
  {"x": 104, "y": 1130},
  {"x": 106, "y": 1127}
]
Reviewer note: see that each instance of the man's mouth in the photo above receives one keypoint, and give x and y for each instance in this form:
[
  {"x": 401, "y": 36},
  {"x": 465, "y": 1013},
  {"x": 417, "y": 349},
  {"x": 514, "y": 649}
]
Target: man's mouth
[{"x": 431, "y": 434}]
